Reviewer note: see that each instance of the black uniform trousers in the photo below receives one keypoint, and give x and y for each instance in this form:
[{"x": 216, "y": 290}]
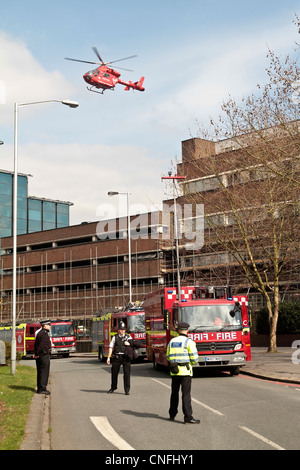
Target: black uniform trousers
[
  {"x": 43, "y": 368},
  {"x": 185, "y": 381},
  {"x": 117, "y": 361}
]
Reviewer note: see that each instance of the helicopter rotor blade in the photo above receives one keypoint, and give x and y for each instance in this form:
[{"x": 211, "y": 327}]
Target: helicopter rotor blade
[
  {"x": 101, "y": 61},
  {"x": 121, "y": 68},
  {"x": 85, "y": 61},
  {"x": 97, "y": 54},
  {"x": 125, "y": 58}
]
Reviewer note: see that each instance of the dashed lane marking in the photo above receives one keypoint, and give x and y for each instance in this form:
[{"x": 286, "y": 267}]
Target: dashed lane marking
[
  {"x": 253, "y": 433},
  {"x": 262, "y": 438},
  {"x": 212, "y": 410}
]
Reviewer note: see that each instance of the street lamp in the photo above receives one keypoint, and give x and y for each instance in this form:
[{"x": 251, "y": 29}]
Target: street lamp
[
  {"x": 175, "y": 178},
  {"x": 71, "y": 104},
  {"x": 115, "y": 193}
]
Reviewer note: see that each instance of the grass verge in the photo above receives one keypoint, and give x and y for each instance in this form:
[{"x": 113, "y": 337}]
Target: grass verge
[{"x": 16, "y": 392}]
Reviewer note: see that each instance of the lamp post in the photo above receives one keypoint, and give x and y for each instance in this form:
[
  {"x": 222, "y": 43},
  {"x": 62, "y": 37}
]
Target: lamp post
[
  {"x": 115, "y": 193},
  {"x": 175, "y": 178},
  {"x": 71, "y": 104}
]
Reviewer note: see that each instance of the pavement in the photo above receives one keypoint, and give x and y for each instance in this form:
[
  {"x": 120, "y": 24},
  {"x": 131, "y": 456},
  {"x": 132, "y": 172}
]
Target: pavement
[{"x": 282, "y": 366}]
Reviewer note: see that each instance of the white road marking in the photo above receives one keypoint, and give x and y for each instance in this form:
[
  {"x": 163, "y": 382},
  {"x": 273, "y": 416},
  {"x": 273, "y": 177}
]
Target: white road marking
[
  {"x": 262, "y": 438},
  {"x": 253, "y": 433},
  {"x": 216, "y": 412},
  {"x": 102, "y": 425}
]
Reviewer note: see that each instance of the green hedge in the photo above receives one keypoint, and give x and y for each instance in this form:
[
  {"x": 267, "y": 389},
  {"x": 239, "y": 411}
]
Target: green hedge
[
  {"x": 288, "y": 320},
  {"x": 8, "y": 353}
]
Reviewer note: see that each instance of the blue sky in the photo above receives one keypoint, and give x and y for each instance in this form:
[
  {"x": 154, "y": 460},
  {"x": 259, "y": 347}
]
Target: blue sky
[{"x": 193, "y": 53}]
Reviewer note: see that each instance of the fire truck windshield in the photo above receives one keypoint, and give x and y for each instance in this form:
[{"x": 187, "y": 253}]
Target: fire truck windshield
[
  {"x": 211, "y": 317},
  {"x": 136, "y": 323},
  {"x": 62, "y": 329}
]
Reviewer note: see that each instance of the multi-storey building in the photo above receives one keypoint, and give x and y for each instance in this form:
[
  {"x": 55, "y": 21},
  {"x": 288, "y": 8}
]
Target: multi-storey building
[{"x": 79, "y": 270}]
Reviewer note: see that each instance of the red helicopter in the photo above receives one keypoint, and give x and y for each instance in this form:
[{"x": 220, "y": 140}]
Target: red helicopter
[{"x": 106, "y": 78}]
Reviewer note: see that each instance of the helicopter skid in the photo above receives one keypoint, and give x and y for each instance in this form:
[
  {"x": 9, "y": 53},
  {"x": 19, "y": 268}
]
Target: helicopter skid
[{"x": 96, "y": 91}]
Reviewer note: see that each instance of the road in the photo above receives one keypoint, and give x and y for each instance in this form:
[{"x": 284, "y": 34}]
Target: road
[{"x": 237, "y": 413}]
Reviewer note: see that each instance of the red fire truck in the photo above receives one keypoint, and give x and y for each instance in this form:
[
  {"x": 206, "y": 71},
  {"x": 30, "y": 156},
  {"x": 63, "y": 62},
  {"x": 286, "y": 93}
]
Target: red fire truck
[
  {"x": 6, "y": 335},
  {"x": 106, "y": 326},
  {"x": 62, "y": 337},
  {"x": 219, "y": 325}
]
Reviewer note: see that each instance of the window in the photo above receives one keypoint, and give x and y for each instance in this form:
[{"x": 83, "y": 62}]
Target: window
[
  {"x": 49, "y": 215},
  {"x": 34, "y": 215},
  {"x": 62, "y": 215}
]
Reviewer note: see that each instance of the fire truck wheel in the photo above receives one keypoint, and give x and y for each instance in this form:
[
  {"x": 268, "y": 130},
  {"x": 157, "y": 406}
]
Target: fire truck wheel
[
  {"x": 156, "y": 366},
  {"x": 235, "y": 370},
  {"x": 100, "y": 354}
]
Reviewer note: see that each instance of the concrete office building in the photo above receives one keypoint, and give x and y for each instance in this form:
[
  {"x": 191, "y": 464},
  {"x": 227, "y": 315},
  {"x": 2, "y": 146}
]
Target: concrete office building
[
  {"x": 210, "y": 166},
  {"x": 75, "y": 272}
]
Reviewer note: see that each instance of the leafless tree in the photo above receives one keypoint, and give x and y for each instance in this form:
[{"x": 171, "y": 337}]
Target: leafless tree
[{"x": 252, "y": 205}]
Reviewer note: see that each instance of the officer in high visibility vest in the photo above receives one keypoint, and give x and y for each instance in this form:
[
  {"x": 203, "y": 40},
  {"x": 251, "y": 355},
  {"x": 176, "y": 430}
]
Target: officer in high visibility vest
[{"x": 182, "y": 354}]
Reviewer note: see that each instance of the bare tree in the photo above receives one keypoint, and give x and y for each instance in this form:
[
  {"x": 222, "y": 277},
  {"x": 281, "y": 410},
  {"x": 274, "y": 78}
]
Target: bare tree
[{"x": 249, "y": 183}]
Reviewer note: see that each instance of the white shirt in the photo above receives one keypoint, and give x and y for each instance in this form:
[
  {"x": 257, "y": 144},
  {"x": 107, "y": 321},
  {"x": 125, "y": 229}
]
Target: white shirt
[{"x": 113, "y": 340}]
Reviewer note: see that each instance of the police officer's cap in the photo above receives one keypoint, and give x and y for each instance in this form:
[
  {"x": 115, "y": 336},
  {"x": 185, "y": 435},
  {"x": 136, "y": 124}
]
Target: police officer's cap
[
  {"x": 183, "y": 326},
  {"x": 122, "y": 326},
  {"x": 45, "y": 322}
]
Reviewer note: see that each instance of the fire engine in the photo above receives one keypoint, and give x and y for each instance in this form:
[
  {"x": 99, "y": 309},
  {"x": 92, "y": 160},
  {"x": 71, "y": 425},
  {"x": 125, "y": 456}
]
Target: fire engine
[
  {"x": 106, "y": 326},
  {"x": 219, "y": 325},
  {"x": 63, "y": 340}
]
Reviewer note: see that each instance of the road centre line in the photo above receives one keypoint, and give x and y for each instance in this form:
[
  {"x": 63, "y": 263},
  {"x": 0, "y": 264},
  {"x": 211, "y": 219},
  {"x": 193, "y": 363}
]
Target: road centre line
[
  {"x": 253, "y": 433},
  {"x": 103, "y": 426},
  {"x": 212, "y": 410}
]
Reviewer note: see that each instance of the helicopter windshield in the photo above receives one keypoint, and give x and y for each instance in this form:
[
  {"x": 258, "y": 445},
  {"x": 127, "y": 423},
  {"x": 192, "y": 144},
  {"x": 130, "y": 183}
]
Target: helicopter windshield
[{"x": 211, "y": 317}]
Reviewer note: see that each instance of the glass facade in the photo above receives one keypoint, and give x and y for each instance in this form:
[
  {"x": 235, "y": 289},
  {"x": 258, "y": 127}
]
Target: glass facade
[
  {"x": 6, "y": 191},
  {"x": 22, "y": 205},
  {"x": 62, "y": 215},
  {"x": 46, "y": 215},
  {"x": 34, "y": 214}
]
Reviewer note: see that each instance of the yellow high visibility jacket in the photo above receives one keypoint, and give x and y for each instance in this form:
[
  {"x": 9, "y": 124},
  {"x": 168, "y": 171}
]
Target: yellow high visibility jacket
[{"x": 183, "y": 351}]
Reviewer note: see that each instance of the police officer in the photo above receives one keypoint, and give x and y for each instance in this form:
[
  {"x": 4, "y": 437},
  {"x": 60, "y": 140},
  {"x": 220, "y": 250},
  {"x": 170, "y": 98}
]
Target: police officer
[
  {"x": 42, "y": 350},
  {"x": 182, "y": 354},
  {"x": 116, "y": 351}
]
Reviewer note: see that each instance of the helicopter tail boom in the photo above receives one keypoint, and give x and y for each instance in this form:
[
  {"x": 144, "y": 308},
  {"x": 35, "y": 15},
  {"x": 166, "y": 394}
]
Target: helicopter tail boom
[
  {"x": 139, "y": 84},
  {"x": 136, "y": 85}
]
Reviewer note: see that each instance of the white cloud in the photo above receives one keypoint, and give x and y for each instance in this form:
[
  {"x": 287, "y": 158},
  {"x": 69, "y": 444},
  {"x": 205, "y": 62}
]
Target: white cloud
[
  {"x": 83, "y": 174},
  {"x": 23, "y": 79},
  {"x": 189, "y": 86},
  {"x": 215, "y": 69}
]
